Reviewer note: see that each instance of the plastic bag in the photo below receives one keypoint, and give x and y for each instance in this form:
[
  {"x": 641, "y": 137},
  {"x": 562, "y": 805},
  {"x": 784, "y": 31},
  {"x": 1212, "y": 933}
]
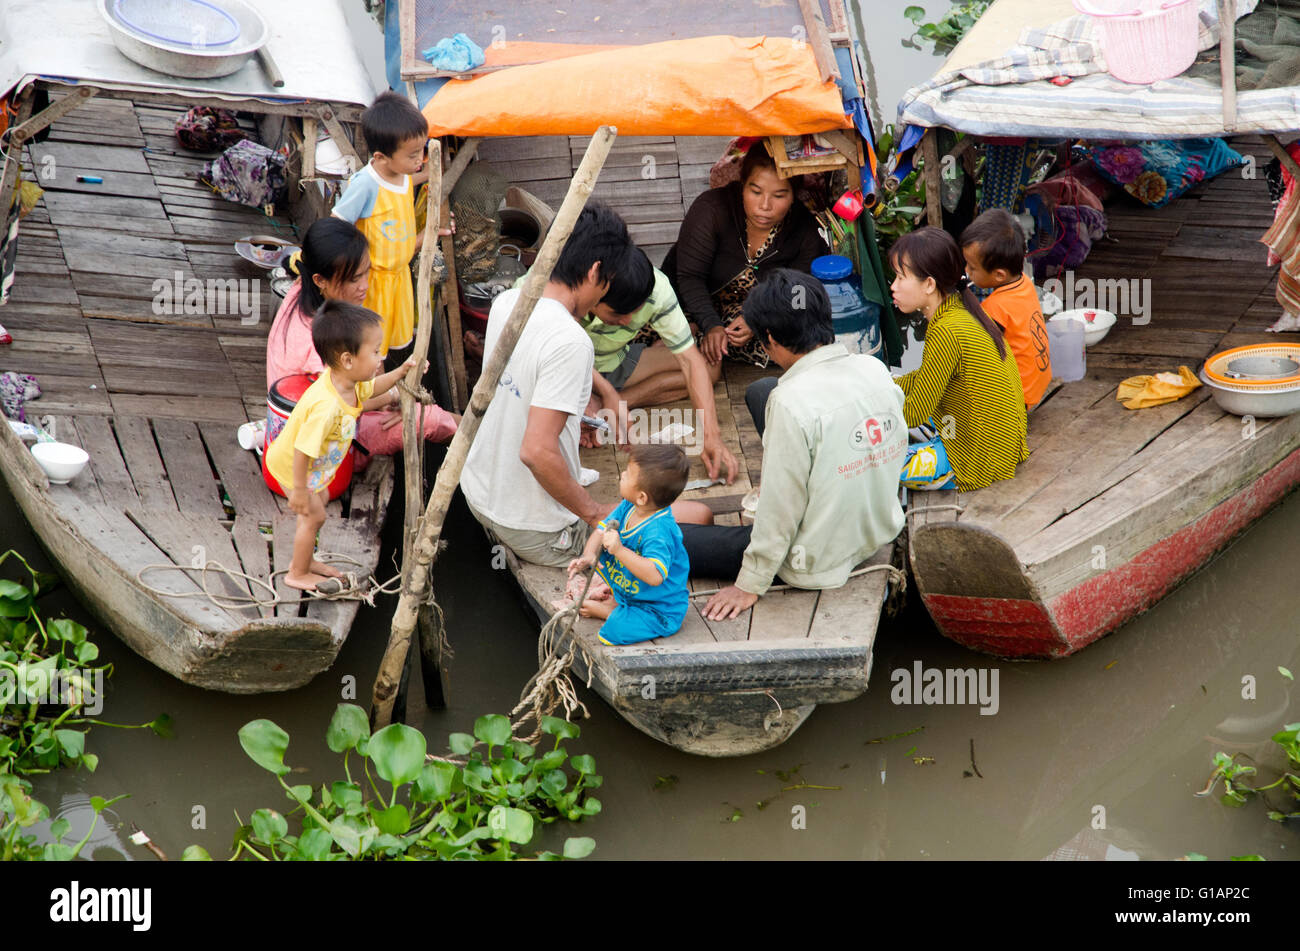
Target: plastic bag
[{"x": 1139, "y": 392}]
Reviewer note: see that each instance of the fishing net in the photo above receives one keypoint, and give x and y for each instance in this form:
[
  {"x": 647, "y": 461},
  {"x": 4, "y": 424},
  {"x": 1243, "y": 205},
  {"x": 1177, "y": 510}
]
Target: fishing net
[{"x": 475, "y": 201}]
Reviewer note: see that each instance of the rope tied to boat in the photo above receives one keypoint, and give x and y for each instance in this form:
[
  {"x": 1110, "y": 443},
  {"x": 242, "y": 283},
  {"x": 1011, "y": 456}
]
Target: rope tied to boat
[
  {"x": 358, "y": 589},
  {"x": 551, "y": 686}
]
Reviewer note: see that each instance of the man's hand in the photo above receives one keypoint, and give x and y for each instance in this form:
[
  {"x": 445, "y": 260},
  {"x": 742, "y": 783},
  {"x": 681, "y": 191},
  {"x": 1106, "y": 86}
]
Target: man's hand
[
  {"x": 300, "y": 501},
  {"x": 728, "y": 603},
  {"x": 580, "y": 564},
  {"x": 738, "y": 333},
  {"x": 391, "y": 418},
  {"x": 714, "y": 344},
  {"x": 718, "y": 458}
]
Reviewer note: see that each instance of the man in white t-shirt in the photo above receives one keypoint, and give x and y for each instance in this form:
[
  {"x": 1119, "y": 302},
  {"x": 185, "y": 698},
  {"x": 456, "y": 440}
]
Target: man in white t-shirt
[{"x": 521, "y": 475}]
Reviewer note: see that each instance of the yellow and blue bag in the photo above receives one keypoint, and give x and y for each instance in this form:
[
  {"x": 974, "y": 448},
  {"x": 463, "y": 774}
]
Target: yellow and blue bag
[{"x": 926, "y": 466}]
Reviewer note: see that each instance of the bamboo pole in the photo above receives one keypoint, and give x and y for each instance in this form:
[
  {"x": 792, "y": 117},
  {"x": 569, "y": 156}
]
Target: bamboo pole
[
  {"x": 1228, "y": 62},
  {"x": 933, "y": 180},
  {"x": 416, "y": 571},
  {"x": 412, "y": 438}
]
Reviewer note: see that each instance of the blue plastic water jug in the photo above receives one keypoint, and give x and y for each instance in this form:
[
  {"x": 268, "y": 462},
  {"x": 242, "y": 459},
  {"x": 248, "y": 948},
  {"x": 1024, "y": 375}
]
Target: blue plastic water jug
[{"x": 855, "y": 319}]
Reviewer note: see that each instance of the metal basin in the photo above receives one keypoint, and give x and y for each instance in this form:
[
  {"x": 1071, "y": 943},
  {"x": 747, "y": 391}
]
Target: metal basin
[
  {"x": 1279, "y": 401},
  {"x": 190, "y": 62},
  {"x": 1261, "y": 368}
]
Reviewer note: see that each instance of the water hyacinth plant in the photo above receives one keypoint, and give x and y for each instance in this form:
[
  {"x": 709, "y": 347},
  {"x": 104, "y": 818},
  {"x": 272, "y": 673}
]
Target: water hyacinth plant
[
  {"x": 47, "y": 689},
  {"x": 484, "y": 802}
]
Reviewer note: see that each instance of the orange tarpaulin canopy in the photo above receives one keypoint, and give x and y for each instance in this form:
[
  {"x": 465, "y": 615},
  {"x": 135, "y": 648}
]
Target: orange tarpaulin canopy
[{"x": 712, "y": 85}]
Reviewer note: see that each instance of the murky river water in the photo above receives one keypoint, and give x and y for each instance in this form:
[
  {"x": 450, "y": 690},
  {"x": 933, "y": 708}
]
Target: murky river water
[{"x": 1095, "y": 756}]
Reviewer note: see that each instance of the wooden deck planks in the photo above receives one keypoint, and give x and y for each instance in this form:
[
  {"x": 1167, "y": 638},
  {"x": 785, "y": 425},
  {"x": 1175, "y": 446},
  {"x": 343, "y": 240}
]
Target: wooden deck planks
[
  {"x": 240, "y": 473},
  {"x": 188, "y": 468},
  {"x": 99, "y": 440},
  {"x": 135, "y": 437},
  {"x": 254, "y": 554},
  {"x": 782, "y": 615}
]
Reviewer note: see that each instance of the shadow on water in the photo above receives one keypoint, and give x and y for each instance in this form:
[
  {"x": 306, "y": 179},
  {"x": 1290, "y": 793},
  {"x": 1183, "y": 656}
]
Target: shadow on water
[{"x": 1127, "y": 727}]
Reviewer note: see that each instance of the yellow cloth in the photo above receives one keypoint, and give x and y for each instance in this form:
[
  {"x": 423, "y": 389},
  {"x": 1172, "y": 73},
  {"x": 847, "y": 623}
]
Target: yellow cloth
[
  {"x": 321, "y": 426},
  {"x": 390, "y": 232},
  {"x": 1139, "y": 392}
]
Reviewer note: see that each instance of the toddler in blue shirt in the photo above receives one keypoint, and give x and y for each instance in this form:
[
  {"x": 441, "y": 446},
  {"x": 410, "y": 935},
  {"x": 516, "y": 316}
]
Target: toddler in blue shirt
[{"x": 641, "y": 556}]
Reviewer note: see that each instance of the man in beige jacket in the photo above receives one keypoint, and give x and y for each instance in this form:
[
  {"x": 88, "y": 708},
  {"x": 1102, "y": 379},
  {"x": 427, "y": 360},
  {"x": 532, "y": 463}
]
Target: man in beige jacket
[{"x": 833, "y": 444}]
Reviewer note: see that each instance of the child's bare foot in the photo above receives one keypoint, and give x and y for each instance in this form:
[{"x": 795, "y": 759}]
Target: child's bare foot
[
  {"x": 320, "y": 568},
  {"x": 597, "y": 609},
  {"x": 304, "y": 582}
]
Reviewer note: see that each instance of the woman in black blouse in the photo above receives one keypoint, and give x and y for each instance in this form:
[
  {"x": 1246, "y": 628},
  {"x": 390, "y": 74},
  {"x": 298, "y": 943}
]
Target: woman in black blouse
[{"x": 729, "y": 239}]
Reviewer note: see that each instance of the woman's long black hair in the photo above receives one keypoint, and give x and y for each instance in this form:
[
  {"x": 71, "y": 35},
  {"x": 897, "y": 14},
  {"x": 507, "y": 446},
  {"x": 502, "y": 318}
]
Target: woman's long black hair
[
  {"x": 932, "y": 252},
  {"x": 332, "y": 248}
]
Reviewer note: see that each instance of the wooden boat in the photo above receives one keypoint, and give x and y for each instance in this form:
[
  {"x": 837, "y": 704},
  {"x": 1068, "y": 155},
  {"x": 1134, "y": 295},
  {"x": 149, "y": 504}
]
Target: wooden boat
[
  {"x": 714, "y": 688},
  {"x": 725, "y": 688},
  {"x": 1115, "y": 507},
  {"x": 154, "y": 394}
]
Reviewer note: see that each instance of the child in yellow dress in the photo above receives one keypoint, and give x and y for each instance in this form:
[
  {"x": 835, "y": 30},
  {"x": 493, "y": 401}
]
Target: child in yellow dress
[
  {"x": 380, "y": 201},
  {"x": 304, "y": 457}
]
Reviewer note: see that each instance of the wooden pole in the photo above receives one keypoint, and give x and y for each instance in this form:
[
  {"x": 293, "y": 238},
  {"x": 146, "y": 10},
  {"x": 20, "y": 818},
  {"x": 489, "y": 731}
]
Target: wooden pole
[
  {"x": 1282, "y": 154},
  {"x": 1228, "y": 62},
  {"x": 819, "y": 38},
  {"x": 416, "y": 572},
  {"x": 412, "y": 438},
  {"x": 933, "y": 180}
]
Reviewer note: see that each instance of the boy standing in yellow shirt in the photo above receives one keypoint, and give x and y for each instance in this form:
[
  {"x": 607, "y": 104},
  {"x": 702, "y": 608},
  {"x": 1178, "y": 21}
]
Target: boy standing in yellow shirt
[
  {"x": 319, "y": 431},
  {"x": 380, "y": 201}
]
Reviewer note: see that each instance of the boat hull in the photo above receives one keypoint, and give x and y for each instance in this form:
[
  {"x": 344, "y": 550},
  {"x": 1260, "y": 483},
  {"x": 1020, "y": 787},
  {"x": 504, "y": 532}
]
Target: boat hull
[{"x": 981, "y": 595}]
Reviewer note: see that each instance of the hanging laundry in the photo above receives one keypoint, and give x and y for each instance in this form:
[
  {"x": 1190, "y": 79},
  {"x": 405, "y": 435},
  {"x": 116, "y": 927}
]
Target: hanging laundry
[{"x": 1009, "y": 165}]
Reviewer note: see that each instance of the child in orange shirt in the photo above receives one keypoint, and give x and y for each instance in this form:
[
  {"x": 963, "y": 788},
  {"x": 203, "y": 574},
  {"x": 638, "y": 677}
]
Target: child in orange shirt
[{"x": 994, "y": 248}]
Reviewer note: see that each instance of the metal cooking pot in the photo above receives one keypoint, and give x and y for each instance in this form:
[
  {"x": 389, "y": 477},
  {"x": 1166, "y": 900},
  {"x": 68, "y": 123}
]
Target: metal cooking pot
[{"x": 189, "y": 62}]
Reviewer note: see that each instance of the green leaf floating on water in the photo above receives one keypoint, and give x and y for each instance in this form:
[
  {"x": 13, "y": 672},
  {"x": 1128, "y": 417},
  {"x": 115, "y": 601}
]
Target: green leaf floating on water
[
  {"x": 395, "y": 820},
  {"x": 460, "y": 743},
  {"x": 265, "y": 743},
  {"x": 195, "y": 853},
  {"x": 1285, "y": 673},
  {"x": 560, "y": 728},
  {"x": 579, "y": 847},
  {"x": 162, "y": 726},
  {"x": 269, "y": 825},
  {"x": 493, "y": 729},
  {"x": 347, "y": 728},
  {"x": 398, "y": 753},
  {"x": 511, "y": 825}
]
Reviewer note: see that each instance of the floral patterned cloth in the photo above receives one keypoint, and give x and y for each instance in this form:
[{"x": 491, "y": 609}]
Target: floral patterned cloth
[
  {"x": 1155, "y": 173},
  {"x": 247, "y": 173}
]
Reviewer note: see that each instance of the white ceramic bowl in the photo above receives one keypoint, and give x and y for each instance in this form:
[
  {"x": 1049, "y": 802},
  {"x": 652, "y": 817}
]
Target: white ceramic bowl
[
  {"x": 61, "y": 461},
  {"x": 1094, "y": 329}
]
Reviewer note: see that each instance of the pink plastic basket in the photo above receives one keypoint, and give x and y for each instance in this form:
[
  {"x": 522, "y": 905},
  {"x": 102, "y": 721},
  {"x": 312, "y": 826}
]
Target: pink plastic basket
[{"x": 1144, "y": 40}]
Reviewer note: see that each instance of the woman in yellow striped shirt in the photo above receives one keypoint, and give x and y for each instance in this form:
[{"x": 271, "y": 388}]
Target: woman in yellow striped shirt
[{"x": 968, "y": 386}]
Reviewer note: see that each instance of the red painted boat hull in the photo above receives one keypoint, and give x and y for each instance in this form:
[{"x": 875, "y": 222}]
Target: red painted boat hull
[{"x": 1030, "y": 627}]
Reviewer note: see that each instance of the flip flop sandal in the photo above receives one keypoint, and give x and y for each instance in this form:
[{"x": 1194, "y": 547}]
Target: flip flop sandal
[{"x": 332, "y": 586}]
